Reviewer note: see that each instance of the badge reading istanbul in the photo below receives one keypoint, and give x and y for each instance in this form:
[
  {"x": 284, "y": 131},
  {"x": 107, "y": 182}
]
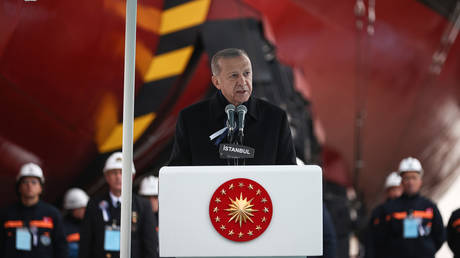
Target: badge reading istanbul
[{"x": 240, "y": 209}]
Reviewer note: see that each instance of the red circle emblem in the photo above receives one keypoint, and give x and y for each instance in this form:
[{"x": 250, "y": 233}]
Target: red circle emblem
[{"x": 240, "y": 209}]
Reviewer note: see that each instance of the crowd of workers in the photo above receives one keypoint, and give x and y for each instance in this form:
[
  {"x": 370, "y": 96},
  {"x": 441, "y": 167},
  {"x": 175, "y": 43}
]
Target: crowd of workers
[
  {"x": 406, "y": 225},
  {"x": 88, "y": 227}
]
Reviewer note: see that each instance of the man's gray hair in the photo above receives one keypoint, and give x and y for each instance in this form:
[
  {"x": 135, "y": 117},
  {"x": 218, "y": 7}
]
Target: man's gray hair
[{"x": 225, "y": 53}]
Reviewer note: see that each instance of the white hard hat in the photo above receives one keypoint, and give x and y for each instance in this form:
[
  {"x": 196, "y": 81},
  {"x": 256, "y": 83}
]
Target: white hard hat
[
  {"x": 393, "y": 180},
  {"x": 75, "y": 198},
  {"x": 31, "y": 169},
  {"x": 149, "y": 186},
  {"x": 115, "y": 161},
  {"x": 299, "y": 161},
  {"x": 410, "y": 164}
]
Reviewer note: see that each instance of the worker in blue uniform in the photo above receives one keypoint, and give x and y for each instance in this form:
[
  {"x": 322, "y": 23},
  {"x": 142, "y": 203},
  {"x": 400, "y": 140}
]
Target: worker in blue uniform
[
  {"x": 100, "y": 231},
  {"x": 75, "y": 201},
  {"x": 393, "y": 190},
  {"x": 411, "y": 224},
  {"x": 31, "y": 227}
]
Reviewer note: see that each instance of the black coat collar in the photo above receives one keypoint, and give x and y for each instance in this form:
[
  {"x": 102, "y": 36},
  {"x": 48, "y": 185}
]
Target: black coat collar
[{"x": 218, "y": 103}]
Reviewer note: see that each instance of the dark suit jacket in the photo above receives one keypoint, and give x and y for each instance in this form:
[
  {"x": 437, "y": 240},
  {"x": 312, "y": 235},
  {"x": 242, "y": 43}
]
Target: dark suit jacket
[
  {"x": 144, "y": 240},
  {"x": 266, "y": 130}
]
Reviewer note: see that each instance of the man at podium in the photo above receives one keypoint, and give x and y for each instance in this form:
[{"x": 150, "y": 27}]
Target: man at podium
[{"x": 235, "y": 117}]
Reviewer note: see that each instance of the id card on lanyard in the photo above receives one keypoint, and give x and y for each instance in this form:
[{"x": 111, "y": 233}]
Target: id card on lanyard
[
  {"x": 112, "y": 238},
  {"x": 23, "y": 239},
  {"x": 411, "y": 227}
]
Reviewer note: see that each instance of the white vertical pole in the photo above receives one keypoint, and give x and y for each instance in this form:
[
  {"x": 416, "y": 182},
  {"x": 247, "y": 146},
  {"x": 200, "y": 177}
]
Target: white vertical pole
[{"x": 128, "y": 117}]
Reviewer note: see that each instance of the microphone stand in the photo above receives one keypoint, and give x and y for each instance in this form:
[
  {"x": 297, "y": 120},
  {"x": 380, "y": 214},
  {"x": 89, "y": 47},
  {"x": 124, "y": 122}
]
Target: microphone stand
[
  {"x": 240, "y": 140},
  {"x": 241, "y": 110},
  {"x": 230, "y": 139},
  {"x": 231, "y": 126}
]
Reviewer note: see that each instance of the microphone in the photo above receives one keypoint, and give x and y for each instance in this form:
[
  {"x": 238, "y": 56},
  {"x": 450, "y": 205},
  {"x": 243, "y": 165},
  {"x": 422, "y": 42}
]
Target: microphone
[
  {"x": 241, "y": 110},
  {"x": 230, "y": 111}
]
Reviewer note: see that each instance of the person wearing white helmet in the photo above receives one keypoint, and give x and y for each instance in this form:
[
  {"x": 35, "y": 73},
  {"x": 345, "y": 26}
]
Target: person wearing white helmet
[
  {"x": 393, "y": 190},
  {"x": 411, "y": 224},
  {"x": 411, "y": 172},
  {"x": 100, "y": 231},
  {"x": 75, "y": 201},
  {"x": 149, "y": 190},
  {"x": 31, "y": 227}
]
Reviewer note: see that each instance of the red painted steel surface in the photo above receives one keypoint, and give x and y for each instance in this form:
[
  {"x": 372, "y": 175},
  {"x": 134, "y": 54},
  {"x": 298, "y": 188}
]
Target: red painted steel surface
[
  {"x": 57, "y": 66},
  {"x": 58, "y": 62},
  {"x": 409, "y": 111}
]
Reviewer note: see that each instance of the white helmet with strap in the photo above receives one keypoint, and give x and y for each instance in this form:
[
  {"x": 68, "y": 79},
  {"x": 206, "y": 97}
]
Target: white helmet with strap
[
  {"x": 75, "y": 198},
  {"x": 393, "y": 180},
  {"x": 31, "y": 169},
  {"x": 149, "y": 186},
  {"x": 410, "y": 165},
  {"x": 115, "y": 161}
]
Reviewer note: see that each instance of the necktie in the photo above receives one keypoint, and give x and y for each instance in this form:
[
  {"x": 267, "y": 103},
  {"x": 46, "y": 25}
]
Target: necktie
[{"x": 117, "y": 212}]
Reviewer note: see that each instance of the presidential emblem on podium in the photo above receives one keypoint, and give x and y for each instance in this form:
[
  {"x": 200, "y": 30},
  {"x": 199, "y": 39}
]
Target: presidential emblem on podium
[{"x": 240, "y": 209}]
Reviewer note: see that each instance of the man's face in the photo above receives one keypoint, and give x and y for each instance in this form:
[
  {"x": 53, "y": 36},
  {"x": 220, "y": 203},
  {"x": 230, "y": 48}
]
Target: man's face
[
  {"x": 113, "y": 178},
  {"x": 30, "y": 187},
  {"x": 79, "y": 213},
  {"x": 234, "y": 79},
  {"x": 411, "y": 182},
  {"x": 394, "y": 192}
]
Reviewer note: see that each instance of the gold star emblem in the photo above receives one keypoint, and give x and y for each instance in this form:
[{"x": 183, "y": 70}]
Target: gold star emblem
[
  {"x": 251, "y": 210},
  {"x": 241, "y": 210}
]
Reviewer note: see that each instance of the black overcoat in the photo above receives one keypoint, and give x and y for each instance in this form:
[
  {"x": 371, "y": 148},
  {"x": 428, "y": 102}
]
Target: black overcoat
[{"x": 266, "y": 130}]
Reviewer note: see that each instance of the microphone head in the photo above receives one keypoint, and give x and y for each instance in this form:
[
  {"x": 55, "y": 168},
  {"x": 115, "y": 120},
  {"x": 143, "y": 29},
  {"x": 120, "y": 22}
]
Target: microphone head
[
  {"x": 242, "y": 108},
  {"x": 229, "y": 108},
  {"x": 230, "y": 111}
]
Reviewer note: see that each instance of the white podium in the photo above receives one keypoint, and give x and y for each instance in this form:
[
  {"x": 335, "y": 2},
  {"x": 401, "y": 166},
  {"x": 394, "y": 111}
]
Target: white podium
[{"x": 186, "y": 230}]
